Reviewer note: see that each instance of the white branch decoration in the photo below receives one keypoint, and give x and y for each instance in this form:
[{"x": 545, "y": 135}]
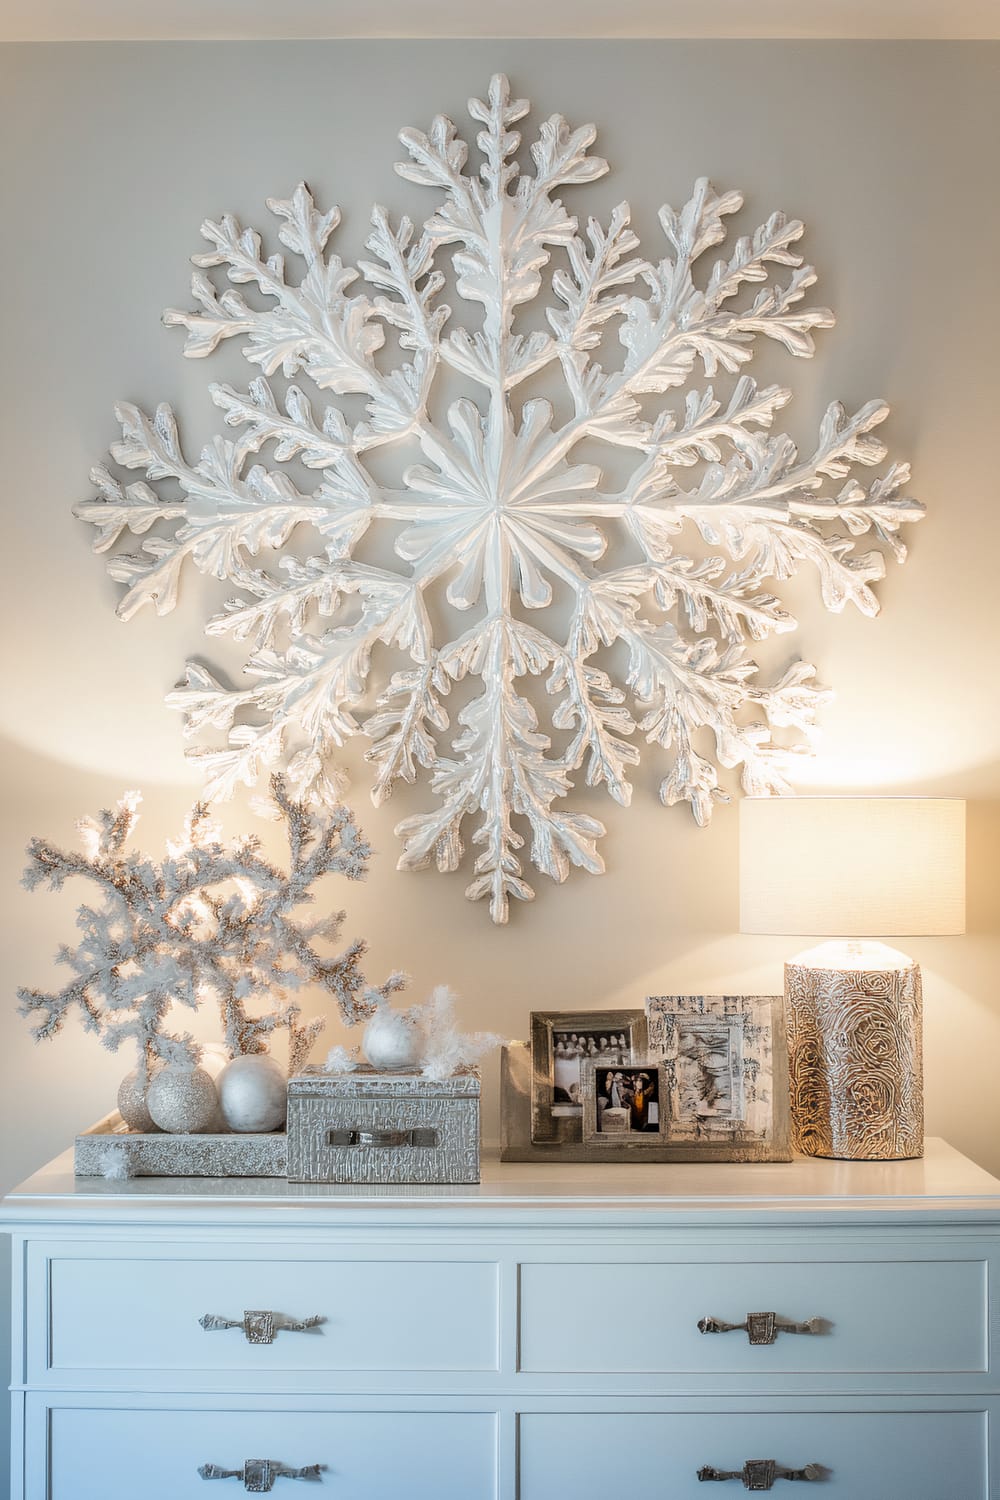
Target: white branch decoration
[
  {"x": 211, "y": 920},
  {"x": 499, "y": 516}
]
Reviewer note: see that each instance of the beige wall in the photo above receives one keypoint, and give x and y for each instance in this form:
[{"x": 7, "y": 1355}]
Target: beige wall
[{"x": 111, "y": 156}]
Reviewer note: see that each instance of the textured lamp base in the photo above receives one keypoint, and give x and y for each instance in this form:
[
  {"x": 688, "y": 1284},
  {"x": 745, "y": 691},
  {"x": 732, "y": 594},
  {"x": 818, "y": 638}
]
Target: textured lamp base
[{"x": 855, "y": 1061}]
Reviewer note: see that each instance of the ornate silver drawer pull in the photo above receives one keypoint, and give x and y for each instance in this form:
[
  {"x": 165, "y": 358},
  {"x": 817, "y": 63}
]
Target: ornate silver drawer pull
[
  {"x": 421, "y": 1136},
  {"x": 760, "y": 1473},
  {"x": 760, "y": 1327},
  {"x": 260, "y": 1327},
  {"x": 258, "y": 1474}
]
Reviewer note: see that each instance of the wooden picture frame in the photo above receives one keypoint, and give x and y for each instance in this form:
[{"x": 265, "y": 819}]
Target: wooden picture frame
[
  {"x": 639, "y": 1128},
  {"x": 726, "y": 1061},
  {"x": 556, "y": 1112}
]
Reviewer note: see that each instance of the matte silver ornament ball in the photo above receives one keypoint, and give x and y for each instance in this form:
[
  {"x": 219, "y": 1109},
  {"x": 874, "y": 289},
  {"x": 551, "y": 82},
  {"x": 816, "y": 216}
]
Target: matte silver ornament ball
[{"x": 253, "y": 1093}]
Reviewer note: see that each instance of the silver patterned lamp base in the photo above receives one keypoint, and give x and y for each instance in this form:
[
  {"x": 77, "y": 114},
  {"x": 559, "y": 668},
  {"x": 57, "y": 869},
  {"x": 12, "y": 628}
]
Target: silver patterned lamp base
[{"x": 855, "y": 1061}]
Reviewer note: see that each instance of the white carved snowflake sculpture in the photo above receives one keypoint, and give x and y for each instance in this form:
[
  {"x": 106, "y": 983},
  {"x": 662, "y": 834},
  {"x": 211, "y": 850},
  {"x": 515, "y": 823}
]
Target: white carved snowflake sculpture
[{"x": 501, "y": 515}]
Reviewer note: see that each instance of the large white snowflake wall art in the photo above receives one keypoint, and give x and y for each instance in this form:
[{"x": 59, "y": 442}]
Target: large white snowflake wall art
[{"x": 502, "y": 520}]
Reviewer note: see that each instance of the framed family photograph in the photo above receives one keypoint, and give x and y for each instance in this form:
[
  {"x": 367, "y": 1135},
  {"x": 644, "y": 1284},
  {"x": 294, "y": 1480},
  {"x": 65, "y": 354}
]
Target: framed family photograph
[
  {"x": 725, "y": 1088},
  {"x": 692, "y": 1078},
  {"x": 563, "y": 1045},
  {"x": 623, "y": 1106}
]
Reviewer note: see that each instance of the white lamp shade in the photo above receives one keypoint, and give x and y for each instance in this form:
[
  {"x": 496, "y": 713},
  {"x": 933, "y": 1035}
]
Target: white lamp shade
[{"x": 852, "y": 866}]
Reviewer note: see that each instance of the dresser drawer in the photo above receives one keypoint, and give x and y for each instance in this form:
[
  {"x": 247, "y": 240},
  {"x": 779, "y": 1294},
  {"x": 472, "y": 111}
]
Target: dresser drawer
[
  {"x": 156, "y": 1454},
  {"x": 885, "y": 1455},
  {"x": 143, "y": 1310},
  {"x": 918, "y": 1316}
]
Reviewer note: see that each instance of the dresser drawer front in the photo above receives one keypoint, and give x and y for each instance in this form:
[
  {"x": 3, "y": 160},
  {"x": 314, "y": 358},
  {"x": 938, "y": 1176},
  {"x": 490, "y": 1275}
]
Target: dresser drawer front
[
  {"x": 143, "y": 1311},
  {"x": 914, "y": 1316},
  {"x": 912, "y": 1455},
  {"x": 100, "y": 1454}
]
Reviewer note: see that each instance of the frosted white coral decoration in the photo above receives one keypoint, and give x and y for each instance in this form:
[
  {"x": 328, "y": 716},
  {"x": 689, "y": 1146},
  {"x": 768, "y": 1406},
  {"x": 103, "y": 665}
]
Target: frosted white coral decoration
[
  {"x": 669, "y": 556},
  {"x": 212, "y": 921}
]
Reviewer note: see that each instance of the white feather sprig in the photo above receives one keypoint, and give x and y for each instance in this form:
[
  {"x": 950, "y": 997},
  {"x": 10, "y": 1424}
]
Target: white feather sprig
[
  {"x": 341, "y": 1060},
  {"x": 446, "y": 1050}
]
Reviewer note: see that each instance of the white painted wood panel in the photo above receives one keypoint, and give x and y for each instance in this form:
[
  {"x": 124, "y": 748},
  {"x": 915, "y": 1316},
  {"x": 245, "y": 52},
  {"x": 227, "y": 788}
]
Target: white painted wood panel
[
  {"x": 887, "y": 1316},
  {"x": 141, "y": 1311},
  {"x": 101, "y": 1454},
  {"x": 413, "y": 1387},
  {"x": 940, "y": 1187},
  {"x": 927, "y": 1455}
]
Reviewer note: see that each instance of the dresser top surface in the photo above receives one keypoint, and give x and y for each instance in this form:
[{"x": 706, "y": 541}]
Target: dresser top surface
[{"x": 943, "y": 1184}]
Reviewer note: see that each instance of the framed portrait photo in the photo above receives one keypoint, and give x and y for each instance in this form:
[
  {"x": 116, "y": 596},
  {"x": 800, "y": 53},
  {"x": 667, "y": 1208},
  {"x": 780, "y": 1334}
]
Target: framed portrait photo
[
  {"x": 563, "y": 1043},
  {"x": 624, "y": 1106},
  {"x": 725, "y": 1063}
]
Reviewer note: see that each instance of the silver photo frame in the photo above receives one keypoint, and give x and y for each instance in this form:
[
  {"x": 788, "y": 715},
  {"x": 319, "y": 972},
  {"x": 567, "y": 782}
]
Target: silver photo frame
[
  {"x": 561, "y": 1042},
  {"x": 726, "y": 1062}
]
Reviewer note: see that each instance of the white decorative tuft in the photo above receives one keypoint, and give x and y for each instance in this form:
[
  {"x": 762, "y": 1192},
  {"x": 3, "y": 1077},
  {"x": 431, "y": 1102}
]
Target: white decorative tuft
[
  {"x": 115, "y": 1163},
  {"x": 505, "y": 513},
  {"x": 446, "y": 1050},
  {"x": 340, "y": 1060}
]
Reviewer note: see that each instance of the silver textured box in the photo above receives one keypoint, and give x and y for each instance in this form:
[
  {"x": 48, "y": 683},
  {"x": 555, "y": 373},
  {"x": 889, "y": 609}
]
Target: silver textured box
[{"x": 392, "y": 1128}]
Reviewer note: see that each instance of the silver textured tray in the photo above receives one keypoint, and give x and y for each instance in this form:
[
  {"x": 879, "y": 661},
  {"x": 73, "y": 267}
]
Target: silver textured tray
[{"x": 163, "y": 1155}]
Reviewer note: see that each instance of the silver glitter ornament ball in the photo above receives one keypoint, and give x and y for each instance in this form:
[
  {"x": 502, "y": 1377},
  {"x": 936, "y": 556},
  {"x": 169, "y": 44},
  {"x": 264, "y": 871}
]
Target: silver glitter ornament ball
[
  {"x": 253, "y": 1092},
  {"x": 132, "y": 1103},
  {"x": 183, "y": 1101}
]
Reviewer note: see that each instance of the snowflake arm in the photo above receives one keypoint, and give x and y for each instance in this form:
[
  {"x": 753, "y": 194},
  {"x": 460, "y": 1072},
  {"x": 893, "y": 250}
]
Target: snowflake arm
[
  {"x": 592, "y": 705},
  {"x": 504, "y": 771},
  {"x": 692, "y": 687},
  {"x": 293, "y": 431},
  {"x": 409, "y": 715},
  {"x": 709, "y": 591},
  {"x": 226, "y": 513},
  {"x": 314, "y": 327}
]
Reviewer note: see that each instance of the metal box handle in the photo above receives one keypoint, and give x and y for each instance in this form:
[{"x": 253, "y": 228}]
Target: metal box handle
[{"x": 382, "y": 1138}]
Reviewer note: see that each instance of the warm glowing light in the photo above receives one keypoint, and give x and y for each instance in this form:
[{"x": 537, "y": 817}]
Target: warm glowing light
[
  {"x": 852, "y": 866},
  {"x": 853, "y": 954}
]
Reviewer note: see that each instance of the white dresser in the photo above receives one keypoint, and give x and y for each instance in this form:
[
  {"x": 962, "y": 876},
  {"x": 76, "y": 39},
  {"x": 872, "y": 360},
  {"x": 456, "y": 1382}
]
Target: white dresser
[{"x": 535, "y": 1337}]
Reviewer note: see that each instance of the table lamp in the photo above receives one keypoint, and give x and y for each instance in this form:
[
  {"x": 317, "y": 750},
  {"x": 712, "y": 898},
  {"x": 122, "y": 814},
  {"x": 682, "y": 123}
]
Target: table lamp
[{"x": 854, "y": 869}]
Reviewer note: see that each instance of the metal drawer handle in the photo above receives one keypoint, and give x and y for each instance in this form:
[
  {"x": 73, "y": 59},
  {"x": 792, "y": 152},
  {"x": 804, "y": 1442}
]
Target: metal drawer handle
[
  {"x": 260, "y": 1327},
  {"x": 760, "y": 1327},
  {"x": 760, "y": 1473},
  {"x": 421, "y": 1136},
  {"x": 258, "y": 1474}
]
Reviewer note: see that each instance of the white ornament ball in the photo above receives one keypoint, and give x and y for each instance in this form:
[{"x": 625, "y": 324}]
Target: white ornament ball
[
  {"x": 132, "y": 1103},
  {"x": 253, "y": 1093},
  {"x": 391, "y": 1040},
  {"x": 214, "y": 1056},
  {"x": 183, "y": 1101}
]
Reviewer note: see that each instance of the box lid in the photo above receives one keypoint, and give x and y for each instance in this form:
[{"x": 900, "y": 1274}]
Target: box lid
[{"x": 366, "y": 1082}]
